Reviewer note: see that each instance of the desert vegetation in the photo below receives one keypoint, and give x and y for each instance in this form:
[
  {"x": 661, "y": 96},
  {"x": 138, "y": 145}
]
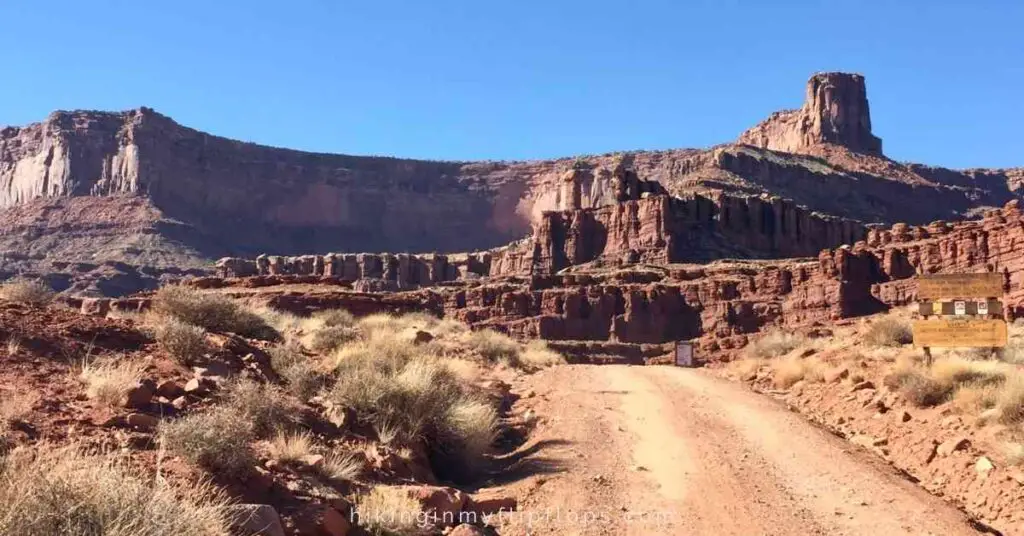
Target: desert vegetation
[
  {"x": 212, "y": 312},
  {"x": 27, "y": 291}
]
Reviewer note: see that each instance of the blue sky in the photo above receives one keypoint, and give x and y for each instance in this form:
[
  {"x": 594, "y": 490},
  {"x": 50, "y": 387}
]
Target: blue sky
[{"x": 523, "y": 79}]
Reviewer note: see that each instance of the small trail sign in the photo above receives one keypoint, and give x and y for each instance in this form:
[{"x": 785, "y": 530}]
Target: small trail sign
[
  {"x": 951, "y": 286},
  {"x": 960, "y": 310},
  {"x": 967, "y": 333},
  {"x": 684, "y": 354}
]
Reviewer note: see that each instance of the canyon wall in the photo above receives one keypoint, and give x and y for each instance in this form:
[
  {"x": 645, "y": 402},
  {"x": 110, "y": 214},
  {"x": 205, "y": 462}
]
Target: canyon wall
[{"x": 211, "y": 197}]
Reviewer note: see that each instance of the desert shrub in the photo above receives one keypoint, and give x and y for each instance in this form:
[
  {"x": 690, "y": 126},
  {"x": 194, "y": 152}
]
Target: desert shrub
[
  {"x": 71, "y": 492},
  {"x": 330, "y": 338},
  {"x": 932, "y": 386},
  {"x": 290, "y": 447},
  {"x": 210, "y": 311},
  {"x": 186, "y": 343},
  {"x": 341, "y": 466},
  {"x": 975, "y": 398},
  {"x": 773, "y": 344},
  {"x": 389, "y": 511},
  {"x": 494, "y": 347},
  {"x": 787, "y": 372},
  {"x": 109, "y": 379},
  {"x": 538, "y": 355},
  {"x": 889, "y": 331},
  {"x": 416, "y": 398},
  {"x": 334, "y": 318},
  {"x": 16, "y": 406},
  {"x": 1010, "y": 401},
  {"x": 1012, "y": 353},
  {"x": 303, "y": 376},
  {"x": 216, "y": 439},
  {"x": 265, "y": 407},
  {"x": 1013, "y": 452},
  {"x": 31, "y": 292}
]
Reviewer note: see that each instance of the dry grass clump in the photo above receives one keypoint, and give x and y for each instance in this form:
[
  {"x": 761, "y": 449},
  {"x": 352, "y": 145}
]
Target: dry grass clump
[
  {"x": 109, "y": 379},
  {"x": 15, "y": 407},
  {"x": 329, "y": 338},
  {"x": 387, "y": 510},
  {"x": 1010, "y": 402},
  {"x": 290, "y": 447},
  {"x": 974, "y": 382},
  {"x": 334, "y": 318},
  {"x": 213, "y": 312},
  {"x": 52, "y": 492},
  {"x": 494, "y": 347},
  {"x": 787, "y": 372},
  {"x": 775, "y": 343},
  {"x": 264, "y": 407},
  {"x": 341, "y": 466},
  {"x": 31, "y": 292},
  {"x": 538, "y": 355},
  {"x": 216, "y": 439},
  {"x": 889, "y": 331},
  {"x": 303, "y": 375},
  {"x": 186, "y": 343},
  {"x": 415, "y": 398}
]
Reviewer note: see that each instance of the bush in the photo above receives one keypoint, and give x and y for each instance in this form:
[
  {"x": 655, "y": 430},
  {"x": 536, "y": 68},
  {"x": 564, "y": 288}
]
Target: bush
[
  {"x": 330, "y": 338},
  {"x": 341, "y": 466},
  {"x": 213, "y": 312},
  {"x": 415, "y": 398},
  {"x": 264, "y": 407},
  {"x": 789, "y": 371},
  {"x": 495, "y": 347},
  {"x": 538, "y": 355},
  {"x": 186, "y": 343},
  {"x": 290, "y": 448},
  {"x": 889, "y": 331},
  {"x": 334, "y": 318},
  {"x": 925, "y": 387},
  {"x": 70, "y": 492},
  {"x": 216, "y": 440},
  {"x": 109, "y": 379},
  {"x": 34, "y": 293},
  {"x": 387, "y": 511},
  {"x": 303, "y": 376},
  {"x": 1010, "y": 401},
  {"x": 774, "y": 343}
]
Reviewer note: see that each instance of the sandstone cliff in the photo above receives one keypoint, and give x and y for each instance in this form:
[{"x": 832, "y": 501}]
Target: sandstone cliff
[{"x": 208, "y": 197}]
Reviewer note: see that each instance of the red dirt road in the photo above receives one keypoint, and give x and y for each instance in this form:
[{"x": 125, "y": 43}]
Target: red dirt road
[{"x": 662, "y": 450}]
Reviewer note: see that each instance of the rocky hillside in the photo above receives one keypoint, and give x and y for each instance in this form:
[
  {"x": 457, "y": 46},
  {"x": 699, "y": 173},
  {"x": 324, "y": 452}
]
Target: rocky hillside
[{"x": 169, "y": 196}]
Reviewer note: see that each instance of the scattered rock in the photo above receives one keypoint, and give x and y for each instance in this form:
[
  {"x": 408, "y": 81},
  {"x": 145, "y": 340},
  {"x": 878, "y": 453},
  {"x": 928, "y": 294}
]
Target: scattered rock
[
  {"x": 141, "y": 422},
  {"x": 490, "y": 503},
  {"x": 312, "y": 460},
  {"x": 422, "y": 337},
  {"x": 170, "y": 389},
  {"x": 324, "y": 521},
  {"x": 952, "y": 445},
  {"x": 467, "y": 530},
  {"x": 905, "y": 416},
  {"x": 199, "y": 386},
  {"x": 180, "y": 403},
  {"x": 141, "y": 396},
  {"x": 253, "y": 519},
  {"x": 837, "y": 374},
  {"x": 863, "y": 440},
  {"x": 983, "y": 466},
  {"x": 861, "y": 385},
  {"x": 440, "y": 503}
]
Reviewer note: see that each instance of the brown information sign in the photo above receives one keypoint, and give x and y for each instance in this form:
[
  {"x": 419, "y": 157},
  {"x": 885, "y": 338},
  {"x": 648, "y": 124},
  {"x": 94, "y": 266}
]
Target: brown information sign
[
  {"x": 945, "y": 286},
  {"x": 968, "y": 332}
]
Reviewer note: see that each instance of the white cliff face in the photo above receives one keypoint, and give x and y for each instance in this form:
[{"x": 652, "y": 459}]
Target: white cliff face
[{"x": 71, "y": 153}]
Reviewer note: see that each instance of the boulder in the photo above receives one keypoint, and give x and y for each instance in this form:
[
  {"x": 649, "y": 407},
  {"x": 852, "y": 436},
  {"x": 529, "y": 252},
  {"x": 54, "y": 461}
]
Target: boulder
[
  {"x": 952, "y": 445},
  {"x": 255, "y": 519}
]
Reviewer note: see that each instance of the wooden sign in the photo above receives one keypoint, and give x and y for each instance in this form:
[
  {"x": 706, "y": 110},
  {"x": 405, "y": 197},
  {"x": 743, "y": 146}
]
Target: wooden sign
[
  {"x": 684, "y": 354},
  {"x": 946, "y": 286},
  {"x": 966, "y": 332},
  {"x": 970, "y": 307}
]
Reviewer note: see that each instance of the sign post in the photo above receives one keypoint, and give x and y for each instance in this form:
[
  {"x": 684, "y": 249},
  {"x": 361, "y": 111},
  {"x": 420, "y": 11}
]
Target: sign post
[
  {"x": 684, "y": 354},
  {"x": 960, "y": 310}
]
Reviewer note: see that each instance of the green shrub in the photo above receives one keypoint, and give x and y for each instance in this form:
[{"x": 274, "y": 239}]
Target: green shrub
[
  {"x": 216, "y": 439},
  {"x": 31, "y": 292},
  {"x": 213, "y": 312},
  {"x": 186, "y": 343},
  {"x": 889, "y": 331}
]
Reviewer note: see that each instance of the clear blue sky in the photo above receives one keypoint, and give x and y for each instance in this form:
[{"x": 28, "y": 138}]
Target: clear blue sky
[{"x": 523, "y": 79}]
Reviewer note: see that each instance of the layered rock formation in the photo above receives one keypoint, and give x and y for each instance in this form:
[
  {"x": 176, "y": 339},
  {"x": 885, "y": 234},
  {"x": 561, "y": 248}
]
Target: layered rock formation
[
  {"x": 835, "y": 111},
  {"x": 195, "y": 197}
]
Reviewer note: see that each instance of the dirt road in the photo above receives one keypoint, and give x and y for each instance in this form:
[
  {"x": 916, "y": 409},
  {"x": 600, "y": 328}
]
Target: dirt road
[{"x": 662, "y": 450}]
